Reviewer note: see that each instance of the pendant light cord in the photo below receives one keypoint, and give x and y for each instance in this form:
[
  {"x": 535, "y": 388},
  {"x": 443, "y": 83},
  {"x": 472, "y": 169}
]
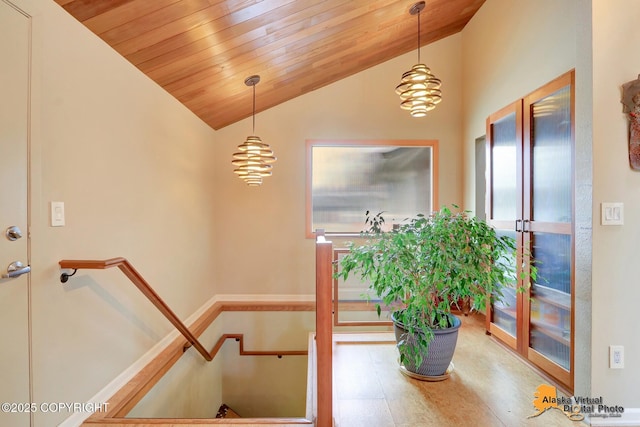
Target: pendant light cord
[
  {"x": 254, "y": 110},
  {"x": 419, "y": 38}
]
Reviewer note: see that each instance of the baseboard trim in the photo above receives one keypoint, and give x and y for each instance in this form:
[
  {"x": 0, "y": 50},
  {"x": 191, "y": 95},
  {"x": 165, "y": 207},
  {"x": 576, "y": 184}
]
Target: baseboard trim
[
  {"x": 77, "y": 418},
  {"x": 630, "y": 418},
  {"x": 257, "y": 298}
]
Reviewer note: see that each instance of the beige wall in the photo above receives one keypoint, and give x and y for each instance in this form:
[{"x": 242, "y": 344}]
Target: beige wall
[
  {"x": 132, "y": 165},
  {"x": 260, "y": 233},
  {"x": 133, "y": 168},
  {"x": 510, "y": 49},
  {"x": 266, "y": 386},
  {"x": 141, "y": 177},
  {"x": 616, "y": 289},
  {"x": 191, "y": 388}
]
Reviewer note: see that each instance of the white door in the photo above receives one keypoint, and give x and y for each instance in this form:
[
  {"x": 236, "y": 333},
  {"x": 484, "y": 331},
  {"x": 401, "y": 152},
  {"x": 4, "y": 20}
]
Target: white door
[{"x": 14, "y": 260}]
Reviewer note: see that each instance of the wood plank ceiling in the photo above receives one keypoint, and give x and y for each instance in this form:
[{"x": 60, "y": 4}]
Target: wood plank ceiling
[{"x": 201, "y": 51}]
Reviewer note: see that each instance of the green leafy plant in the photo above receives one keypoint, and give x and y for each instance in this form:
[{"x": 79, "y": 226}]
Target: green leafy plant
[{"x": 428, "y": 264}]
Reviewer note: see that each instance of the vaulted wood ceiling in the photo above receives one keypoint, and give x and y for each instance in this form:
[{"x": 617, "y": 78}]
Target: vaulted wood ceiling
[{"x": 201, "y": 51}]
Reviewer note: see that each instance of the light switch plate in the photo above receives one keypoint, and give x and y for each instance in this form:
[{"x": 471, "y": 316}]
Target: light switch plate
[
  {"x": 57, "y": 214},
  {"x": 612, "y": 213}
]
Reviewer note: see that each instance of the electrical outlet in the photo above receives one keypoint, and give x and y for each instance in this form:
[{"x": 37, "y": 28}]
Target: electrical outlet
[{"x": 616, "y": 357}]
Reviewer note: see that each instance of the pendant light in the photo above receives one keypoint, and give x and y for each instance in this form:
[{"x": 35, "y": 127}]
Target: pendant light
[
  {"x": 254, "y": 158},
  {"x": 419, "y": 89}
]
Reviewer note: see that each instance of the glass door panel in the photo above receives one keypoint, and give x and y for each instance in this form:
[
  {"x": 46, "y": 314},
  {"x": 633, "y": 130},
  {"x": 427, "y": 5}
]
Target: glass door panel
[
  {"x": 504, "y": 159},
  {"x": 505, "y": 312},
  {"x": 550, "y": 303},
  {"x": 551, "y": 157},
  {"x": 530, "y": 193},
  {"x": 548, "y": 218},
  {"x": 504, "y": 169}
]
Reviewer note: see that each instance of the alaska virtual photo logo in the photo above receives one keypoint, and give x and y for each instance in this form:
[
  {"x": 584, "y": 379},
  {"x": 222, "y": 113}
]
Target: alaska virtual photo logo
[{"x": 575, "y": 408}]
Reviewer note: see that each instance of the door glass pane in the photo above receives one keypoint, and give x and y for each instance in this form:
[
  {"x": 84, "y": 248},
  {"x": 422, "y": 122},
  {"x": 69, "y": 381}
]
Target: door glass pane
[
  {"x": 551, "y": 144},
  {"x": 551, "y": 297},
  {"x": 504, "y": 168},
  {"x": 504, "y": 312},
  {"x": 552, "y": 255}
]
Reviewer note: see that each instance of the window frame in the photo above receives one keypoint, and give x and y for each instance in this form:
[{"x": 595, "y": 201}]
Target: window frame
[{"x": 311, "y": 143}]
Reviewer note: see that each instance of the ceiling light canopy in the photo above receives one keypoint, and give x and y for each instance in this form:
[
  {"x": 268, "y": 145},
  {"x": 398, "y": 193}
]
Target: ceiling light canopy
[
  {"x": 419, "y": 89},
  {"x": 254, "y": 158}
]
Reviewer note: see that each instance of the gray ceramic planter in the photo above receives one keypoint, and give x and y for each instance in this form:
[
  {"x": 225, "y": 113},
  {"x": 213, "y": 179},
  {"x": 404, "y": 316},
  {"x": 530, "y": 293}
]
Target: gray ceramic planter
[{"x": 436, "y": 362}]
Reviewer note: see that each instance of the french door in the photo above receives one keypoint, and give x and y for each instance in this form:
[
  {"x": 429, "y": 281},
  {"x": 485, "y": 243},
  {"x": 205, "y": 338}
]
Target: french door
[{"x": 531, "y": 198}]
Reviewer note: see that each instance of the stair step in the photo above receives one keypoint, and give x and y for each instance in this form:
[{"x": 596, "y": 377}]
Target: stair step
[{"x": 226, "y": 412}]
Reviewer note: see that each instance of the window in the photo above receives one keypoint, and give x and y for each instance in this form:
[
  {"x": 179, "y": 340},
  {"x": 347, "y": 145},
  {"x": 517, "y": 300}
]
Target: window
[{"x": 347, "y": 178}]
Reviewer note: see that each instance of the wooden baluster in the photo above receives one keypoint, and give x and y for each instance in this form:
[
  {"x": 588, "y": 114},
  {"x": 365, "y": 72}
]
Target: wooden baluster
[{"x": 324, "y": 329}]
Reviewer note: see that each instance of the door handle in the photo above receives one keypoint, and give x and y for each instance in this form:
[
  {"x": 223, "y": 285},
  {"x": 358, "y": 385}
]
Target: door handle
[
  {"x": 16, "y": 269},
  {"x": 13, "y": 233}
]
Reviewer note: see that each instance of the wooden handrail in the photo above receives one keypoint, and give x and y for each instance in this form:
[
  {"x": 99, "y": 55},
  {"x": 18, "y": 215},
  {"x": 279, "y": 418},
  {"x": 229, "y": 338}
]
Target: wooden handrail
[
  {"x": 243, "y": 352},
  {"x": 155, "y": 299},
  {"x": 145, "y": 288},
  {"x": 128, "y": 396},
  {"x": 324, "y": 330}
]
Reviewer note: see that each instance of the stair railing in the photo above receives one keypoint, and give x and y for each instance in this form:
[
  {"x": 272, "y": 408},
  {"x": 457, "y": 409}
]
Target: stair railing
[
  {"x": 324, "y": 317},
  {"x": 144, "y": 287},
  {"x": 324, "y": 330}
]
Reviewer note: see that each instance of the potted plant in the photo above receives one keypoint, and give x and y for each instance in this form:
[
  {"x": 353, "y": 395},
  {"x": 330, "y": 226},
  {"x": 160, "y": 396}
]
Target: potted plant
[{"x": 422, "y": 268}]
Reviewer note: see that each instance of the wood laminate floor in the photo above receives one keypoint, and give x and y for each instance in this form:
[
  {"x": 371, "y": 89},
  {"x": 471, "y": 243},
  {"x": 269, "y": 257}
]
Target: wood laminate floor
[{"x": 489, "y": 386}]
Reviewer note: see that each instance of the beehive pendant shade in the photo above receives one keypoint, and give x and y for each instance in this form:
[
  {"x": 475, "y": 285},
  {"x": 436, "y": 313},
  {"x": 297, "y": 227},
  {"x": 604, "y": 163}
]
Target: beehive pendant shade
[
  {"x": 419, "y": 89},
  {"x": 254, "y": 159}
]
